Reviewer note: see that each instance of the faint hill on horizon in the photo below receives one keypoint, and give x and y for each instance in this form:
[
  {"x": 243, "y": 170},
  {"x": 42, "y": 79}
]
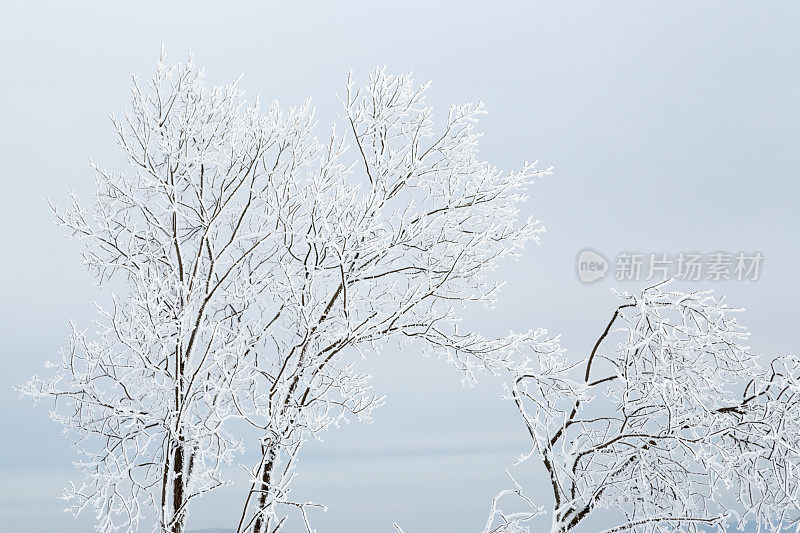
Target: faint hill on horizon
[{"x": 750, "y": 528}]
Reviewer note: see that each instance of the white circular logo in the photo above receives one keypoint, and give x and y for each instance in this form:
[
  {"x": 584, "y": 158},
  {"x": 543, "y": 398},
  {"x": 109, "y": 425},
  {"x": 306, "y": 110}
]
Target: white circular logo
[{"x": 591, "y": 266}]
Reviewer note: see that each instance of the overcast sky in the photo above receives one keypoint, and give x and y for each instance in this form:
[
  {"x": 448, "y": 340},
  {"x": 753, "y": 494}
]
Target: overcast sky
[{"x": 671, "y": 126}]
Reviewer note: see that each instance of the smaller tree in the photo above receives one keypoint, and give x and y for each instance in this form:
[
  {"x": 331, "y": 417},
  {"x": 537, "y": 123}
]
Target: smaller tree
[{"x": 652, "y": 427}]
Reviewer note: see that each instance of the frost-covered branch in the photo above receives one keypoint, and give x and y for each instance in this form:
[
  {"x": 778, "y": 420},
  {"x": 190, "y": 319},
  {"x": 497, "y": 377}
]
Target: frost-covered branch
[
  {"x": 677, "y": 425},
  {"x": 500, "y": 521}
]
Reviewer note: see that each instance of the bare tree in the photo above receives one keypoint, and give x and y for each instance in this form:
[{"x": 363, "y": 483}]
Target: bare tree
[
  {"x": 382, "y": 249},
  {"x": 254, "y": 261},
  {"x": 651, "y": 426}
]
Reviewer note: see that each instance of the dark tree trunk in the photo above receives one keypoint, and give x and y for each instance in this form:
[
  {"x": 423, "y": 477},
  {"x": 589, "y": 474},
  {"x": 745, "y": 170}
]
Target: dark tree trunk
[
  {"x": 260, "y": 523},
  {"x": 178, "y": 487}
]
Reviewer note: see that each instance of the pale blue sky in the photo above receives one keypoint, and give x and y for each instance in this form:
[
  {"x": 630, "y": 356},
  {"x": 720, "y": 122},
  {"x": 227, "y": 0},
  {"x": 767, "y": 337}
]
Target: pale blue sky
[{"x": 672, "y": 127}]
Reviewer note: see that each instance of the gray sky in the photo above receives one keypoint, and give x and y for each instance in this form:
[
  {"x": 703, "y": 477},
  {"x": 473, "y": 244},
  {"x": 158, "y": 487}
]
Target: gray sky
[{"x": 672, "y": 127}]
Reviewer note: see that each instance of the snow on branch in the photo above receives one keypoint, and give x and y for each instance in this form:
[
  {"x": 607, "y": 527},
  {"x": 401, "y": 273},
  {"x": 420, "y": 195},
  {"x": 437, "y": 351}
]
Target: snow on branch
[{"x": 670, "y": 420}]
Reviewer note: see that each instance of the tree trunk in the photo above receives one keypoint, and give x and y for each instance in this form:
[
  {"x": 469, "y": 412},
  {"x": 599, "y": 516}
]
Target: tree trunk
[
  {"x": 178, "y": 487},
  {"x": 260, "y": 523}
]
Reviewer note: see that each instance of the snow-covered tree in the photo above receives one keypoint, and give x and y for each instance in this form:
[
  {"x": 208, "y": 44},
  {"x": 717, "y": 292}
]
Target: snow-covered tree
[
  {"x": 669, "y": 421},
  {"x": 252, "y": 261}
]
